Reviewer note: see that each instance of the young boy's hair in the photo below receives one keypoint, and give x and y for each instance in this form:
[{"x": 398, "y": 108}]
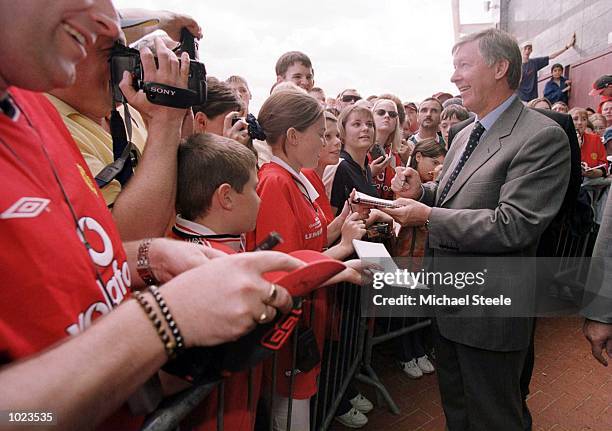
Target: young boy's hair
[
  {"x": 205, "y": 162},
  {"x": 330, "y": 116},
  {"x": 220, "y": 99},
  {"x": 289, "y": 58},
  {"x": 316, "y": 90},
  {"x": 237, "y": 79},
  {"x": 456, "y": 111},
  {"x": 556, "y": 66}
]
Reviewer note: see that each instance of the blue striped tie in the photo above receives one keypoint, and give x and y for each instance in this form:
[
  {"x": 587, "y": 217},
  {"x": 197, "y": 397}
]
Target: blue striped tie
[{"x": 477, "y": 132}]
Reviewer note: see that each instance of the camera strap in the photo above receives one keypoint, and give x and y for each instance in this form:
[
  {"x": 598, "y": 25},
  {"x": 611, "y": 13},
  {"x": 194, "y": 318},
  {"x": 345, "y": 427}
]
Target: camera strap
[
  {"x": 124, "y": 152},
  {"x": 166, "y": 95}
]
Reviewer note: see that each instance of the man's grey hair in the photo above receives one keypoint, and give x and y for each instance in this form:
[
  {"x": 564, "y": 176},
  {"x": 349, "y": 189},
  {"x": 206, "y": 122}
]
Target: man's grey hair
[{"x": 495, "y": 45}]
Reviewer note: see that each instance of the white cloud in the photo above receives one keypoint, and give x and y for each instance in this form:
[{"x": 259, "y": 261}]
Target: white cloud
[{"x": 402, "y": 47}]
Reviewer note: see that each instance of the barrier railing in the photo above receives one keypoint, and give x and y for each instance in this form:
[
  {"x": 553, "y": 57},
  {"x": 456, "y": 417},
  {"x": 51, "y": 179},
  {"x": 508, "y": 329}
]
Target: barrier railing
[
  {"x": 341, "y": 356},
  {"x": 394, "y": 327},
  {"x": 174, "y": 409}
]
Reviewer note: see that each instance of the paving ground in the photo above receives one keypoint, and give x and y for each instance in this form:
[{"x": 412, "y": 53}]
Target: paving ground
[{"x": 569, "y": 389}]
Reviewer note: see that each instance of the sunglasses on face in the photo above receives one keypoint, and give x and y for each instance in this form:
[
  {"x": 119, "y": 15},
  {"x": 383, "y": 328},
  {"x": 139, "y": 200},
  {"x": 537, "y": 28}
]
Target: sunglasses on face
[
  {"x": 382, "y": 112},
  {"x": 349, "y": 98}
]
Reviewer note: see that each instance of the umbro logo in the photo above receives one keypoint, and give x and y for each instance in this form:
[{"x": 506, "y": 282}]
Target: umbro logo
[{"x": 26, "y": 207}]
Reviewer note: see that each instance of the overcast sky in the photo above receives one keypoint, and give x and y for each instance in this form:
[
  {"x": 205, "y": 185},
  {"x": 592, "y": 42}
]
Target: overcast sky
[{"x": 397, "y": 46}]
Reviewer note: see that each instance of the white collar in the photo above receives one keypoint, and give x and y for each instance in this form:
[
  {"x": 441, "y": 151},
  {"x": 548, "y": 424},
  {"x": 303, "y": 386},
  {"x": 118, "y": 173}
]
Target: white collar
[
  {"x": 192, "y": 227},
  {"x": 313, "y": 195}
]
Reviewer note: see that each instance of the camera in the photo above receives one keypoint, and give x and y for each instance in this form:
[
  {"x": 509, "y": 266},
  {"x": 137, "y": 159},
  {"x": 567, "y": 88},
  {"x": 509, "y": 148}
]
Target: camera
[
  {"x": 379, "y": 231},
  {"x": 124, "y": 58},
  {"x": 377, "y": 151}
]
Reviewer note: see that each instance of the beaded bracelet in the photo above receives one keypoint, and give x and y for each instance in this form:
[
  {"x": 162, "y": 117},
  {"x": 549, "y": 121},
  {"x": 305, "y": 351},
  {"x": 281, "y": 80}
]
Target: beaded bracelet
[
  {"x": 178, "y": 338},
  {"x": 170, "y": 346},
  {"x": 143, "y": 266}
]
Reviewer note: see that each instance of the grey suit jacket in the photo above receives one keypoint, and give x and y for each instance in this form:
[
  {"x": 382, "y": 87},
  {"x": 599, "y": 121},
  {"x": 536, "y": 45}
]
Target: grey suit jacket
[{"x": 507, "y": 193}]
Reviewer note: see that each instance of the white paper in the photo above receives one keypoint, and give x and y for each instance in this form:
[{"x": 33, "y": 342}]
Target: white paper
[
  {"x": 365, "y": 199},
  {"x": 378, "y": 254}
]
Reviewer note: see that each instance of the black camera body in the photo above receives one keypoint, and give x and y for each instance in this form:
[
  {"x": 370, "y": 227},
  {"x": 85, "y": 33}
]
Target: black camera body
[
  {"x": 377, "y": 151},
  {"x": 379, "y": 231},
  {"x": 124, "y": 58}
]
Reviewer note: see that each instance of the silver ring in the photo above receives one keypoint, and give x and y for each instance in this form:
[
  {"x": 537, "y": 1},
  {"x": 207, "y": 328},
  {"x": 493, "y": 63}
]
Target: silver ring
[{"x": 272, "y": 295}]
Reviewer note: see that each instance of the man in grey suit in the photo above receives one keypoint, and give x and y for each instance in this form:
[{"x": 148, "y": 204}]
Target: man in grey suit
[{"x": 503, "y": 181}]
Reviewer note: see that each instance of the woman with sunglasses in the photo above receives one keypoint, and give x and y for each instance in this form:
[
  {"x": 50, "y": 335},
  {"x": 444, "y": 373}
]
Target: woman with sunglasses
[{"x": 384, "y": 156}]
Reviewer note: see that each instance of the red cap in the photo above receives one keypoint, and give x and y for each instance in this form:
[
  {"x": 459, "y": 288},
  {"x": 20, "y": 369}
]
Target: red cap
[
  {"x": 600, "y": 85},
  {"x": 305, "y": 279}
]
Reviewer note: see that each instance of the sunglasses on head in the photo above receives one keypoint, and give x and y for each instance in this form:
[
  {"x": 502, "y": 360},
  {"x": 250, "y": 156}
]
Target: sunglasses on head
[
  {"x": 382, "y": 112},
  {"x": 349, "y": 98}
]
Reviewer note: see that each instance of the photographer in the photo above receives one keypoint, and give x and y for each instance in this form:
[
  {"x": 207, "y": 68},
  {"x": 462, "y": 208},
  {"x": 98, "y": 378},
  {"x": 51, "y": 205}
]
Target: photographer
[
  {"x": 65, "y": 265},
  {"x": 143, "y": 206},
  {"x": 221, "y": 113}
]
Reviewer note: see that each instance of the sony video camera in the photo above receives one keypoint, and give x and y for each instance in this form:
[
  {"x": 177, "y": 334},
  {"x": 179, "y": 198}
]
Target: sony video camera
[{"x": 124, "y": 58}]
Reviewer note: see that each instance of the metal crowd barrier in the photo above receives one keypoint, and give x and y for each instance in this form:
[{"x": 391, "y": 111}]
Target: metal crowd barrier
[
  {"x": 173, "y": 410},
  {"x": 342, "y": 354},
  {"x": 392, "y": 327}
]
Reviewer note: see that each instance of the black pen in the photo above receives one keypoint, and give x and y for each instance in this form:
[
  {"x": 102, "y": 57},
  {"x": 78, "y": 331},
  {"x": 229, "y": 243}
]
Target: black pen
[{"x": 271, "y": 241}]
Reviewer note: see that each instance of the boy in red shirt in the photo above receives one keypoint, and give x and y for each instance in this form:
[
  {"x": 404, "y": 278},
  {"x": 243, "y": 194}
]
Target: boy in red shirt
[{"x": 215, "y": 209}]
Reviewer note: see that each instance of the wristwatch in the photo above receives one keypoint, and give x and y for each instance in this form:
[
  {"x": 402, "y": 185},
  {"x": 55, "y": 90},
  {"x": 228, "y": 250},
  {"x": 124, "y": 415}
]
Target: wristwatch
[{"x": 143, "y": 265}]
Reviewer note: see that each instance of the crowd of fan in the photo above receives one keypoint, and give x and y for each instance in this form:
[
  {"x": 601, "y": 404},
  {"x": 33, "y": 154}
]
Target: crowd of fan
[{"x": 214, "y": 178}]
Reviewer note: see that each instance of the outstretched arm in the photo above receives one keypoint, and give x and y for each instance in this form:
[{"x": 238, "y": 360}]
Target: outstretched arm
[{"x": 571, "y": 43}]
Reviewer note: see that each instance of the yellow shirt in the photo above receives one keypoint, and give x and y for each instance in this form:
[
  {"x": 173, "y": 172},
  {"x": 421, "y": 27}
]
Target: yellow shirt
[{"x": 95, "y": 143}]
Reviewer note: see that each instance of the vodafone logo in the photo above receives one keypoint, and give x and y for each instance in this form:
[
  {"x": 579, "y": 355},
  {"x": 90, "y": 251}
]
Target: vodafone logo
[
  {"x": 114, "y": 277},
  {"x": 102, "y": 257}
]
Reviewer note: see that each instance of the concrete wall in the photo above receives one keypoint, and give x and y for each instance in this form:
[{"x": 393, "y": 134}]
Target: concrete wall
[{"x": 549, "y": 24}]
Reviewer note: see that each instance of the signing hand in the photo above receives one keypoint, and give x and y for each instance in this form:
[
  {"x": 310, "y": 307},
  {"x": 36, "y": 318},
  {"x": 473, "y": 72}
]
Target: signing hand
[{"x": 406, "y": 183}]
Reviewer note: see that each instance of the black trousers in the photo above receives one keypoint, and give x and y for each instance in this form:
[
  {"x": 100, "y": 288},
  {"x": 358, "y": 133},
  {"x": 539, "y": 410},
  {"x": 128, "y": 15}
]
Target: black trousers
[{"x": 480, "y": 389}]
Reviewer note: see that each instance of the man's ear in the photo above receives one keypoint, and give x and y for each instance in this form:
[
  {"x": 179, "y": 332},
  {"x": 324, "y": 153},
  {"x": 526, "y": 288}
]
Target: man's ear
[
  {"x": 279, "y": 79},
  {"x": 200, "y": 122},
  {"x": 501, "y": 68},
  {"x": 224, "y": 197},
  {"x": 418, "y": 157}
]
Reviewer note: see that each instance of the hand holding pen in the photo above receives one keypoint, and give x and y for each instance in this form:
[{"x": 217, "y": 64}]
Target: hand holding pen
[{"x": 406, "y": 183}]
